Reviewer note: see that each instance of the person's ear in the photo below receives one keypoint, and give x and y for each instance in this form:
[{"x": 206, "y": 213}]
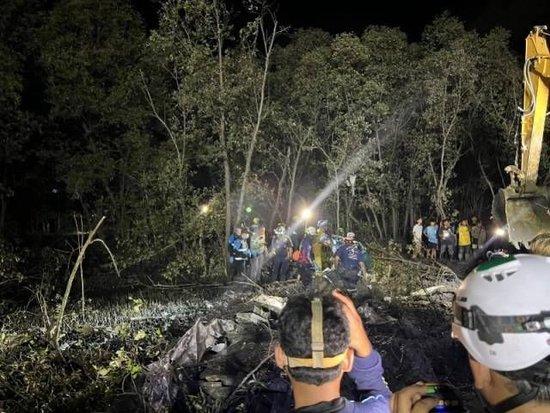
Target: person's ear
[
  {"x": 347, "y": 363},
  {"x": 280, "y": 357},
  {"x": 482, "y": 375}
]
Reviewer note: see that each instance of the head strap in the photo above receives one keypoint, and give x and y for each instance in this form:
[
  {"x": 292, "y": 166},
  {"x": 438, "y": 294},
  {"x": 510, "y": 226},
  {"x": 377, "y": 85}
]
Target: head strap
[
  {"x": 317, "y": 341},
  {"x": 318, "y": 359}
]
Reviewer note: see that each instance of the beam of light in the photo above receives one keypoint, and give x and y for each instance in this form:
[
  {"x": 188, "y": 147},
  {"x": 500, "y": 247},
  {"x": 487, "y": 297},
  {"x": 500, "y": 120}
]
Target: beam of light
[
  {"x": 356, "y": 161},
  {"x": 306, "y": 214}
]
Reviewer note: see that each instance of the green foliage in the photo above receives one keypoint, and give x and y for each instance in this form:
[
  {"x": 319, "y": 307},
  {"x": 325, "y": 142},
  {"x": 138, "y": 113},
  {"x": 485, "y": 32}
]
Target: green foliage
[{"x": 10, "y": 264}]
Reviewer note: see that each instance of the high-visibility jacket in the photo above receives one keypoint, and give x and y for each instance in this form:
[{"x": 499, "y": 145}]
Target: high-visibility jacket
[{"x": 464, "y": 236}]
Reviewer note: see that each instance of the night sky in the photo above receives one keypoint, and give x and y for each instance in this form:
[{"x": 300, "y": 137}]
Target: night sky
[
  {"x": 337, "y": 16},
  {"x": 412, "y": 16}
]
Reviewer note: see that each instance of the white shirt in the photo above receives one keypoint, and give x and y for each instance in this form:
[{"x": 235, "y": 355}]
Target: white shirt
[{"x": 417, "y": 233}]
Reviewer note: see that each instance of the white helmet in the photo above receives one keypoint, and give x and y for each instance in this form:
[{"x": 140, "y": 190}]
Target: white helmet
[
  {"x": 311, "y": 230},
  {"x": 280, "y": 230},
  {"x": 502, "y": 312}
]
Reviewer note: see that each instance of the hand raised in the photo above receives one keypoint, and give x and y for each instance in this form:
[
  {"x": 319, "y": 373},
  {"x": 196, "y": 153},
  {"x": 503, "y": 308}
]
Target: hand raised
[{"x": 359, "y": 340}]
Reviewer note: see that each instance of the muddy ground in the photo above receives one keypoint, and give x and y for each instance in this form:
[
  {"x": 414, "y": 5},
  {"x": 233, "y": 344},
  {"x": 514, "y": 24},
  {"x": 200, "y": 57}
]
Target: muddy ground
[{"x": 108, "y": 353}]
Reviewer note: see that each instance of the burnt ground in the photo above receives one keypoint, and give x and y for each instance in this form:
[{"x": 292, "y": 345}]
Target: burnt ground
[{"x": 109, "y": 352}]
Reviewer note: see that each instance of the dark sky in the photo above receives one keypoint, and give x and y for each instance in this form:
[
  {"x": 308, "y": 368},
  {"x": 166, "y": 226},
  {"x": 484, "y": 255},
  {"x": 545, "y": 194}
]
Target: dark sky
[
  {"x": 336, "y": 16},
  {"x": 348, "y": 15}
]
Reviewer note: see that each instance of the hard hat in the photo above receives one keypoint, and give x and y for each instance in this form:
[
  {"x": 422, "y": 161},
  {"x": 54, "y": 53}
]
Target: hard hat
[
  {"x": 280, "y": 230},
  {"x": 322, "y": 223},
  {"x": 311, "y": 230},
  {"x": 502, "y": 312},
  {"x": 350, "y": 236}
]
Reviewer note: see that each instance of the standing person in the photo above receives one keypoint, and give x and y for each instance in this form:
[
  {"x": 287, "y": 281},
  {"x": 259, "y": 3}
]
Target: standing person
[
  {"x": 478, "y": 233},
  {"x": 350, "y": 259},
  {"x": 257, "y": 248},
  {"x": 431, "y": 234},
  {"x": 464, "y": 240},
  {"x": 306, "y": 266},
  {"x": 417, "y": 238},
  {"x": 447, "y": 241},
  {"x": 474, "y": 234},
  {"x": 238, "y": 253},
  {"x": 281, "y": 251},
  {"x": 319, "y": 250}
]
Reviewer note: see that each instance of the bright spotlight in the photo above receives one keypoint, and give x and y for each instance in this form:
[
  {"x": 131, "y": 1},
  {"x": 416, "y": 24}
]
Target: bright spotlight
[
  {"x": 248, "y": 209},
  {"x": 500, "y": 232},
  {"x": 204, "y": 209},
  {"x": 306, "y": 214}
]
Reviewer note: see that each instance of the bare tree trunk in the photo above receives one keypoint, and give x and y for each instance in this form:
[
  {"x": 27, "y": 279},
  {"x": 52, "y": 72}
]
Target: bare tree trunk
[
  {"x": 394, "y": 222},
  {"x": 293, "y": 183},
  {"x": 221, "y": 131},
  {"x": 337, "y": 199},
  {"x": 489, "y": 184},
  {"x": 268, "y": 49},
  {"x": 279, "y": 189}
]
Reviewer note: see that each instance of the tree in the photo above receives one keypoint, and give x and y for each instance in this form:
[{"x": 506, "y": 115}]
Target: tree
[
  {"x": 449, "y": 84},
  {"x": 91, "y": 55}
]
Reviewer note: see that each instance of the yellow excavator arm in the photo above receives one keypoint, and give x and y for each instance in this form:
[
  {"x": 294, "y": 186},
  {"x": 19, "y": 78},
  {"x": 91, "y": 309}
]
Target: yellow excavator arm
[
  {"x": 523, "y": 206},
  {"x": 535, "y": 101}
]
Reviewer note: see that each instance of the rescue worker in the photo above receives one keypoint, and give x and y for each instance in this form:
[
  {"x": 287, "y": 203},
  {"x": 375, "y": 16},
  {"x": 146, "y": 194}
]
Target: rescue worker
[
  {"x": 464, "y": 240},
  {"x": 338, "y": 239},
  {"x": 417, "y": 238},
  {"x": 239, "y": 253},
  {"x": 350, "y": 260},
  {"x": 447, "y": 241},
  {"x": 306, "y": 264},
  {"x": 432, "y": 241},
  {"x": 319, "y": 341},
  {"x": 326, "y": 252},
  {"x": 257, "y": 248},
  {"x": 478, "y": 233},
  {"x": 319, "y": 250},
  {"x": 281, "y": 251}
]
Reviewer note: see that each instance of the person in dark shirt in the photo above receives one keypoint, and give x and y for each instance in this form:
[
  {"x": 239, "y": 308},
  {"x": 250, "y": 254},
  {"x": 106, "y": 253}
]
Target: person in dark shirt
[
  {"x": 350, "y": 260},
  {"x": 281, "y": 251},
  {"x": 318, "y": 345}
]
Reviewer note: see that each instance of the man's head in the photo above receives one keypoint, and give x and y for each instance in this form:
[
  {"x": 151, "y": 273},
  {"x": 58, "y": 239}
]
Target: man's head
[
  {"x": 432, "y": 222},
  {"x": 322, "y": 224},
  {"x": 446, "y": 223},
  {"x": 474, "y": 220},
  {"x": 245, "y": 234},
  {"x": 502, "y": 317},
  {"x": 464, "y": 222},
  {"x": 349, "y": 238},
  {"x": 295, "y": 340},
  {"x": 311, "y": 231},
  {"x": 280, "y": 230},
  {"x": 419, "y": 221},
  {"x": 237, "y": 231}
]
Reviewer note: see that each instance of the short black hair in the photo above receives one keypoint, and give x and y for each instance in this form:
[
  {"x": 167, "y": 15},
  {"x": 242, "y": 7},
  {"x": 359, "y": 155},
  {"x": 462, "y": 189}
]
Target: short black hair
[{"x": 295, "y": 336}]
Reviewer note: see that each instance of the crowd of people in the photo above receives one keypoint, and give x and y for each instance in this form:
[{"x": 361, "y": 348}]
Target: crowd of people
[
  {"x": 501, "y": 315},
  {"x": 450, "y": 239},
  {"x": 301, "y": 252}
]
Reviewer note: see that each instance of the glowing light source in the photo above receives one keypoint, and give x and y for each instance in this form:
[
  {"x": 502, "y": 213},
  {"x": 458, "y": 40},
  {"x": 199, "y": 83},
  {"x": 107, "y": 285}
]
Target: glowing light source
[
  {"x": 500, "y": 232},
  {"x": 204, "y": 209},
  {"x": 248, "y": 209},
  {"x": 306, "y": 214}
]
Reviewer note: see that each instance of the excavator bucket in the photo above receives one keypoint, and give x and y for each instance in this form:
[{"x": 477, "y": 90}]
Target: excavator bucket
[{"x": 526, "y": 214}]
